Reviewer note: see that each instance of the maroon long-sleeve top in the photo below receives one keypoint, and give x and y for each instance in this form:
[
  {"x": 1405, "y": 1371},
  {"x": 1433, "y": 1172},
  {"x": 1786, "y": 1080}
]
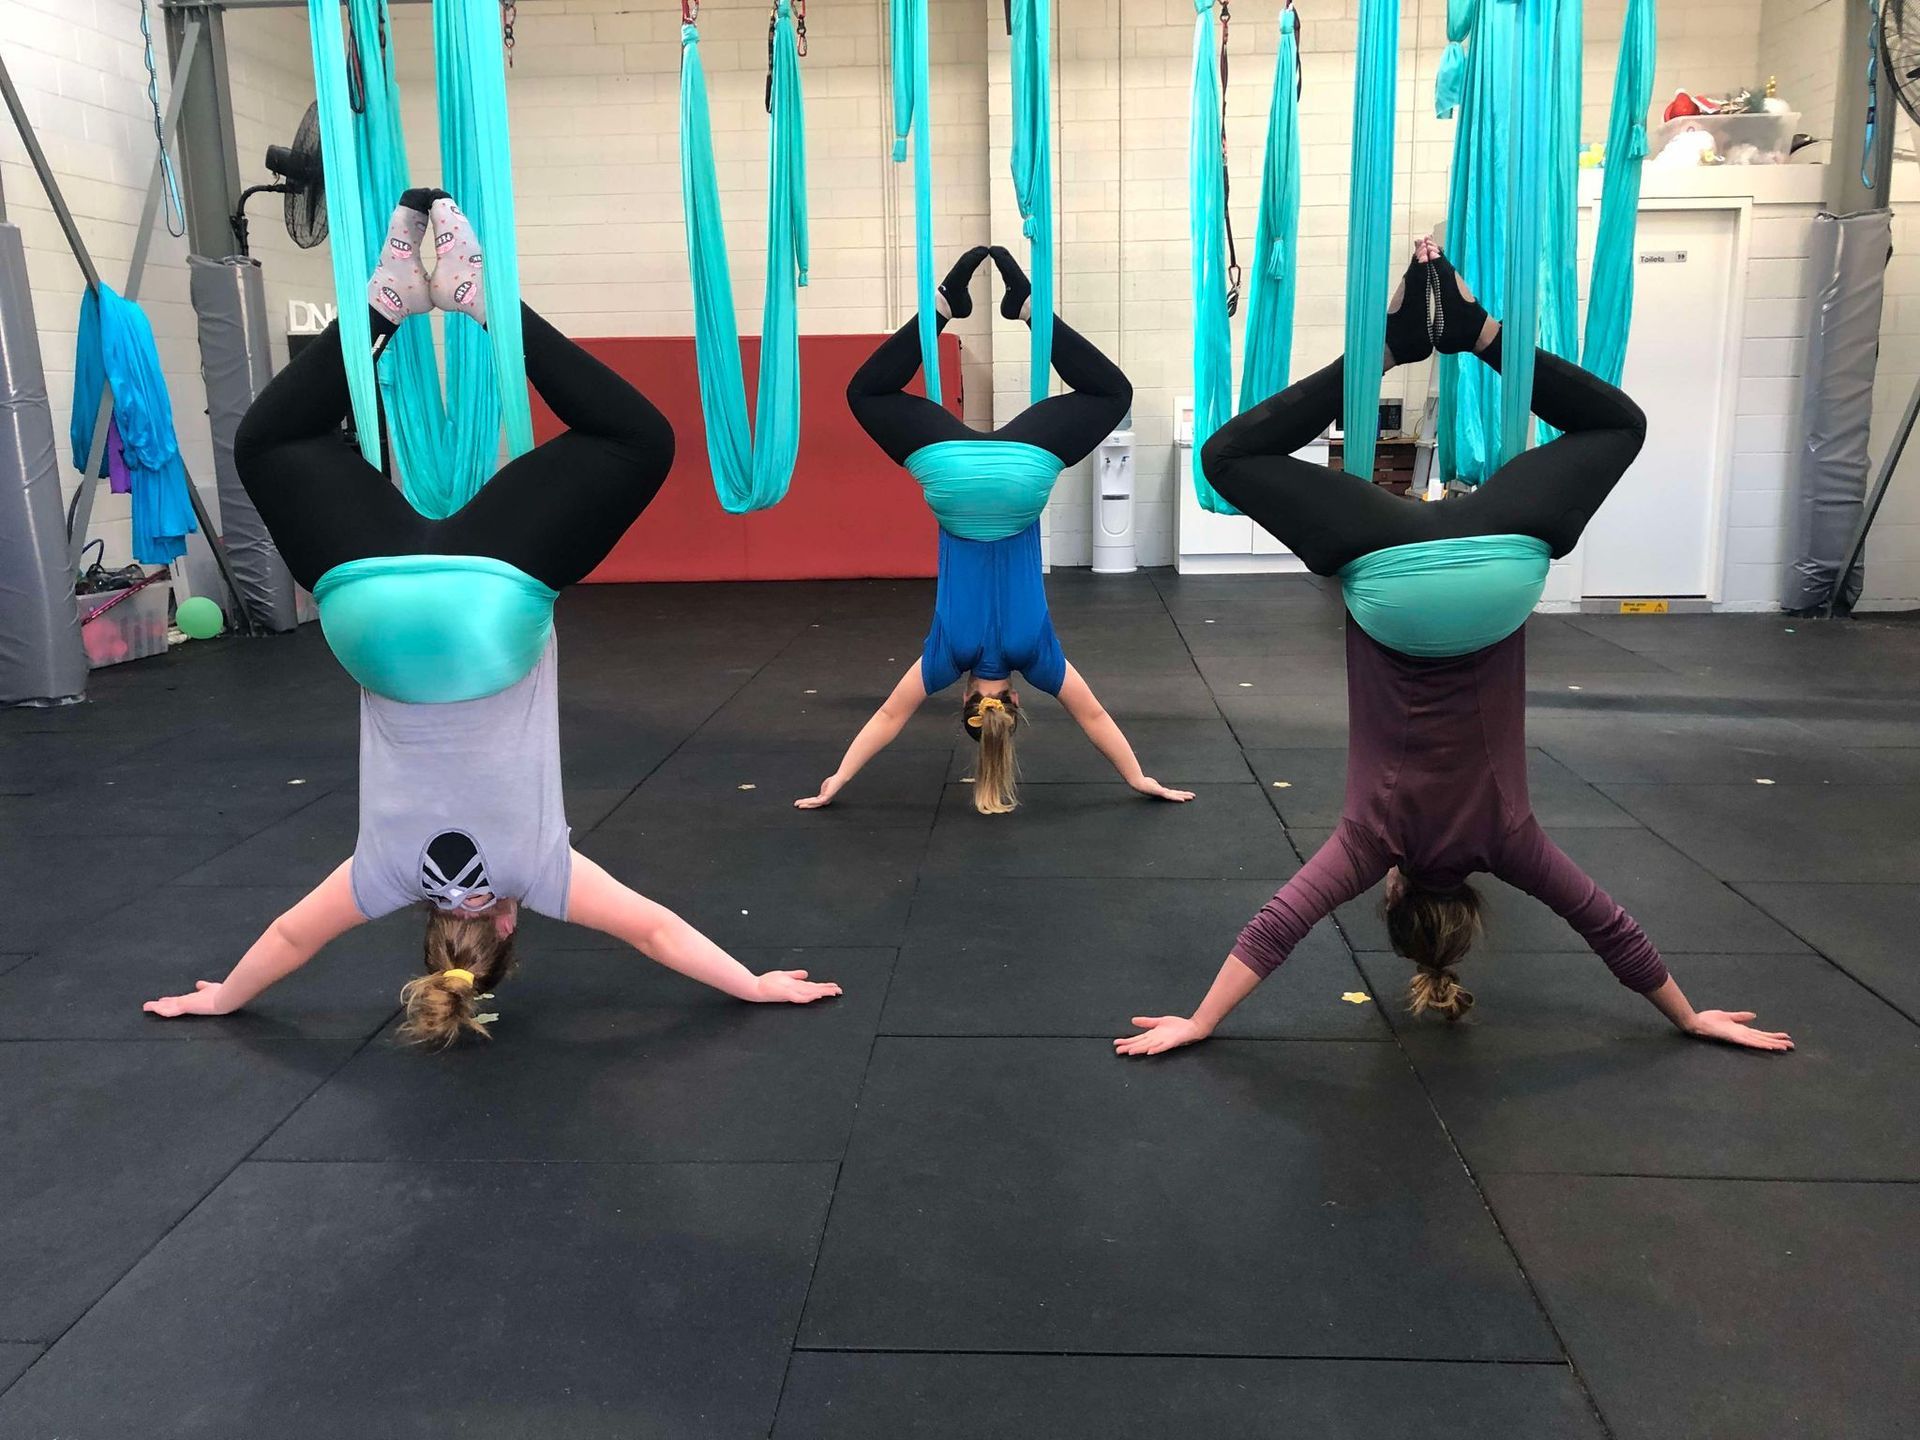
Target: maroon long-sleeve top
[{"x": 1437, "y": 785}]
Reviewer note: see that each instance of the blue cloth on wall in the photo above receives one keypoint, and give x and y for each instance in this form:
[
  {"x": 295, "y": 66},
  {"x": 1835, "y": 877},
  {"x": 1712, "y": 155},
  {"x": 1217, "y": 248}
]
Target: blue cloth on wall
[
  {"x": 1267, "y": 364},
  {"x": 1032, "y": 23},
  {"x": 1369, "y": 228},
  {"x": 1206, "y": 227},
  {"x": 115, "y": 348},
  {"x": 1610, "y": 290}
]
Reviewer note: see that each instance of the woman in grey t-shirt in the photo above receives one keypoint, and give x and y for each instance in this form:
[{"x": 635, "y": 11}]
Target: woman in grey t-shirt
[{"x": 447, "y": 624}]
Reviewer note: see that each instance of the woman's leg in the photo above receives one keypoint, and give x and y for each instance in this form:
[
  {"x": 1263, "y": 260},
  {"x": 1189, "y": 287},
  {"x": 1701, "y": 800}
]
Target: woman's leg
[
  {"x": 1070, "y": 426},
  {"x": 1326, "y": 517},
  {"x": 1553, "y": 490},
  {"x": 897, "y": 422},
  {"x": 322, "y": 503},
  {"x": 557, "y": 511}
]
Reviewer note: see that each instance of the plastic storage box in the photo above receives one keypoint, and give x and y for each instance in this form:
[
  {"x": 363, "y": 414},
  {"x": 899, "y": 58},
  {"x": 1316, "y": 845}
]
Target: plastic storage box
[
  {"x": 1737, "y": 139},
  {"x": 134, "y": 628}
]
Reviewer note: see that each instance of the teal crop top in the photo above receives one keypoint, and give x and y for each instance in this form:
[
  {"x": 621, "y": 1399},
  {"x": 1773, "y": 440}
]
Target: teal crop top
[
  {"x": 433, "y": 629},
  {"x": 985, "y": 489},
  {"x": 1446, "y": 597}
]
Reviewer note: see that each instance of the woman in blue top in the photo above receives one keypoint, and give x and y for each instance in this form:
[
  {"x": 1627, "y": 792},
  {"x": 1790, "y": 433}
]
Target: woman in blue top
[
  {"x": 987, "y": 491},
  {"x": 448, "y": 626}
]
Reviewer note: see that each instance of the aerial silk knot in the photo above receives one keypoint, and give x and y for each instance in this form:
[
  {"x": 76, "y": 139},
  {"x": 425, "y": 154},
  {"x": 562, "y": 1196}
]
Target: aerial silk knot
[
  {"x": 1202, "y": 6},
  {"x": 1451, "y": 84},
  {"x": 1030, "y": 227},
  {"x": 1277, "y": 260},
  {"x": 1289, "y": 22},
  {"x": 803, "y": 275},
  {"x": 900, "y": 150},
  {"x": 1637, "y": 142},
  {"x": 689, "y": 35},
  {"x": 1460, "y": 17}
]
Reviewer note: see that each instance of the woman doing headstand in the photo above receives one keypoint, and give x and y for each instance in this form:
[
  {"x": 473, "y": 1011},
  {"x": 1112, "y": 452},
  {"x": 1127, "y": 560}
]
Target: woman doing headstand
[
  {"x": 987, "y": 491},
  {"x": 1436, "y": 675},
  {"x": 448, "y": 626}
]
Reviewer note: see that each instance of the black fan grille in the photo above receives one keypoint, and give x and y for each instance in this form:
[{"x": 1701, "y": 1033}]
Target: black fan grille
[
  {"x": 306, "y": 205},
  {"x": 1900, "y": 37}
]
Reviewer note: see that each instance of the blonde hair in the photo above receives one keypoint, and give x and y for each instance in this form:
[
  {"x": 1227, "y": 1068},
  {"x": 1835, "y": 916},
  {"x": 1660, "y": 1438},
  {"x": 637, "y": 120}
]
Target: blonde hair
[
  {"x": 1434, "y": 929},
  {"x": 467, "y": 957},
  {"x": 996, "y": 775}
]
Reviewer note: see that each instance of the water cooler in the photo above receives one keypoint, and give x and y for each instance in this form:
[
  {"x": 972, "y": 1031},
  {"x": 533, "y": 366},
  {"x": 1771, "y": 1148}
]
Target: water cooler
[{"x": 1113, "y": 548}]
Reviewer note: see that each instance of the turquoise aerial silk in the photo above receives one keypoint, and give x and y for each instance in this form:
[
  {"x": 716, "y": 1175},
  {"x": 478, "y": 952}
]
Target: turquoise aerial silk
[
  {"x": 984, "y": 489},
  {"x": 751, "y": 470},
  {"x": 1267, "y": 362},
  {"x": 433, "y": 629},
  {"x": 1206, "y": 214},
  {"x": 446, "y": 449},
  {"x": 1033, "y": 173},
  {"x": 1267, "y": 358},
  {"x": 1369, "y": 228},
  {"x": 912, "y": 112},
  {"x": 1527, "y": 211},
  {"x": 1610, "y": 290},
  {"x": 1450, "y": 85},
  {"x": 115, "y": 348},
  {"x": 1438, "y": 598}
]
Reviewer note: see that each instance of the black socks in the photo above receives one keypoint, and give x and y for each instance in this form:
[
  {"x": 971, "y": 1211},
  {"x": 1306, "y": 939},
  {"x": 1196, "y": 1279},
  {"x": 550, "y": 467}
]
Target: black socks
[
  {"x": 954, "y": 289},
  {"x": 1409, "y": 332},
  {"x": 1458, "y": 321},
  {"x": 1013, "y": 304}
]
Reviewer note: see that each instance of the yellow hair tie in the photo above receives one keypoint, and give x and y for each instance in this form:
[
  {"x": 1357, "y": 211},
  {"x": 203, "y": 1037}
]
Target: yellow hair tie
[
  {"x": 987, "y": 702},
  {"x": 466, "y": 975}
]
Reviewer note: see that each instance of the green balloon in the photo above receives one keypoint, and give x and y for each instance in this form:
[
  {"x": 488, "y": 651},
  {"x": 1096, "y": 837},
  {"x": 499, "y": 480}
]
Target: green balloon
[{"x": 199, "y": 618}]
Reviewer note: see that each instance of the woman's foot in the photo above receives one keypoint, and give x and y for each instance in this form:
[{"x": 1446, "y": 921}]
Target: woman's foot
[
  {"x": 1017, "y": 303},
  {"x": 1409, "y": 330},
  {"x": 956, "y": 300},
  {"x": 456, "y": 283},
  {"x": 1462, "y": 323},
  {"x": 399, "y": 286}
]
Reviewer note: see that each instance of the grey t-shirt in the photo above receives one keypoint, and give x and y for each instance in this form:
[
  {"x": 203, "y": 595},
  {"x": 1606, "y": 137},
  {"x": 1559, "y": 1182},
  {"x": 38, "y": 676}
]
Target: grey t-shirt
[{"x": 464, "y": 797}]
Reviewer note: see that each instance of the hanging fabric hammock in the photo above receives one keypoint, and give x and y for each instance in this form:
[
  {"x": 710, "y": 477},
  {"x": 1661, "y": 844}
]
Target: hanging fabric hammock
[
  {"x": 1610, "y": 290},
  {"x": 1268, "y": 356},
  {"x": 1526, "y": 181},
  {"x": 1369, "y": 229},
  {"x": 446, "y": 449},
  {"x": 751, "y": 468},
  {"x": 1032, "y": 24},
  {"x": 912, "y": 103}
]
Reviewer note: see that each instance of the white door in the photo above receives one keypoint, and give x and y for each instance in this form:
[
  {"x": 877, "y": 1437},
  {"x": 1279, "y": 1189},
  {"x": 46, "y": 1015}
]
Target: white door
[{"x": 1654, "y": 536}]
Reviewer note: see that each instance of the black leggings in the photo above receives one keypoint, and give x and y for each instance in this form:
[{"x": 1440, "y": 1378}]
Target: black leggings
[
  {"x": 554, "y": 512},
  {"x": 1329, "y": 518},
  {"x": 1069, "y": 426}
]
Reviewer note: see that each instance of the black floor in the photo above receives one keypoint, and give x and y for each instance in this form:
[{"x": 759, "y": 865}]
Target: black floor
[{"x": 939, "y": 1206}]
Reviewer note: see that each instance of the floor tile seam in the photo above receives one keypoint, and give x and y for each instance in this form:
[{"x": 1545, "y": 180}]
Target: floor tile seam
[
  {"x": 194, "y": 1208},
  {"x": 530, "y": 1162},
  {"x": 1687, "y": 1178},
  {"x": 1091, "y": 1036},
  {"x": 687, "y": 738},
  {"x": 326, "y": 793},
  {"x": 1260, "y": 1357},
  {"x": 1493, "y": 1218},
  {"x": 1837, "y": 964}
]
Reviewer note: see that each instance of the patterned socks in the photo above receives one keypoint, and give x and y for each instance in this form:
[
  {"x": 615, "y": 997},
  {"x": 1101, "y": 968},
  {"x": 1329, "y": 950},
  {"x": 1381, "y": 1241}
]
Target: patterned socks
[
  {"x": 399, "y": 286},
  {"x": 456, "y": 283},
  {"x": 1409, "y": 325},
  {"x": 1461, "y": 319}
]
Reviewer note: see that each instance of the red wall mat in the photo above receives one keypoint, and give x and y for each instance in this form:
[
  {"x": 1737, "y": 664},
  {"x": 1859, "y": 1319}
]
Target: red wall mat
[{"x": 851, "y": 512}]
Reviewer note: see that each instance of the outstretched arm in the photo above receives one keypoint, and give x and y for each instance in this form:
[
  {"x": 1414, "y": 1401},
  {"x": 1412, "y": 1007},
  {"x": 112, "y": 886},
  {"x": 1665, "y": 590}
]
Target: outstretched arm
[
  {"x": 597, "y": 900},
  {"x": 292, "y": 940},
  {"x": 1533, "y": 863},
  {"x": 874, "y": 736},
  {"x": 1348, "y": 864},
  {"x": 1085, "y": 707}
]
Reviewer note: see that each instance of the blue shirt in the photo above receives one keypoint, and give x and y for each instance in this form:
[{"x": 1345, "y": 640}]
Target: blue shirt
[{"x": 990, "y": 615}]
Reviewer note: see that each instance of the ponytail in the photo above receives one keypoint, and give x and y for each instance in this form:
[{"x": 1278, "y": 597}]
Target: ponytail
[
  {"x": 467, "y": 957},
  {"x": 1434, "y": 929}
]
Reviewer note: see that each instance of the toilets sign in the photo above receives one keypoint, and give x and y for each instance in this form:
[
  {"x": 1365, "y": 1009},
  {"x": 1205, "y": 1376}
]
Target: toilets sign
[{"x": 308, "y": 317}]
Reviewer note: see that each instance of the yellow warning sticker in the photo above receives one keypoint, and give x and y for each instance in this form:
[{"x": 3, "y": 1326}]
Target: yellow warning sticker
[{"x": 1643, "y": 607}]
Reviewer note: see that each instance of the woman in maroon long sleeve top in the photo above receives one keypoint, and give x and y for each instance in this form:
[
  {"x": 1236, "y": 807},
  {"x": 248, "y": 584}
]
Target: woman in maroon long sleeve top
[{"x": 1436, "y": 753}]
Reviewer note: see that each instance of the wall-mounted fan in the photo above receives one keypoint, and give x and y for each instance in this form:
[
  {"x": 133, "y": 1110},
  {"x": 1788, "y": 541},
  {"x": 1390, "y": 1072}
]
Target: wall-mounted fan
[{"x": 300, "y": 178}]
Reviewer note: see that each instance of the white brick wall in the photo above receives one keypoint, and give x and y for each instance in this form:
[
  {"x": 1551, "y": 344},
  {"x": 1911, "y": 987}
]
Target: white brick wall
[
  {"x": 595, "y": 113},
  {"x": 79, "y": 67}
]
